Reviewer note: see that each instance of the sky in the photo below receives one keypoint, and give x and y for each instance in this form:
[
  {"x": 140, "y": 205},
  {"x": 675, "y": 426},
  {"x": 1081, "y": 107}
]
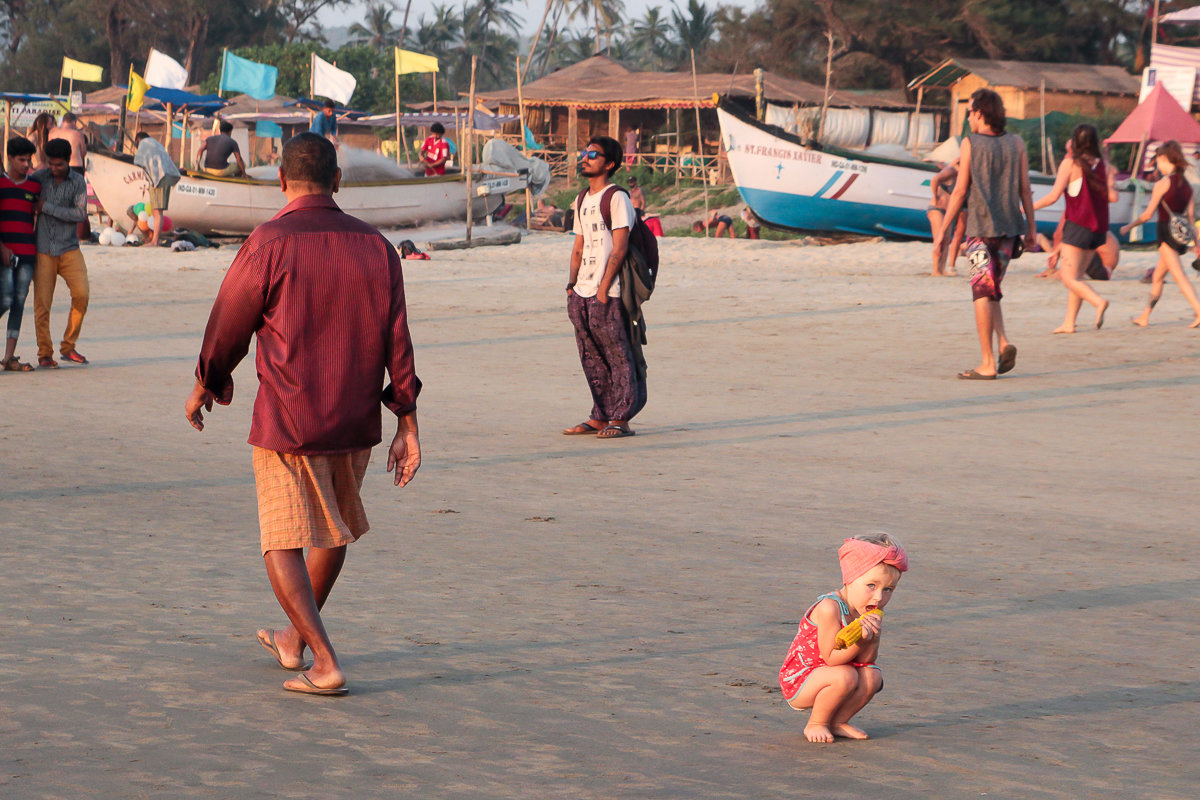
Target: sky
[{"x": 530, "y": 11}]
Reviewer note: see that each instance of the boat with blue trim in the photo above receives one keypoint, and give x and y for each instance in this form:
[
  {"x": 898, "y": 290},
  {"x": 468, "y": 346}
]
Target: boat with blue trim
[{"x": 797, "y": 185}]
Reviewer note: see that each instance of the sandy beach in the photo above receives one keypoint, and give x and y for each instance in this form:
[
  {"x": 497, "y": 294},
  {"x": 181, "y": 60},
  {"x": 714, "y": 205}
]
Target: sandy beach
[{"x": 539, "y": 616}]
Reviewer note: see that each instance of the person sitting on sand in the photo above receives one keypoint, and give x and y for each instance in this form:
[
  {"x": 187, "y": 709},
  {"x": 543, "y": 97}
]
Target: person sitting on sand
[
  {"x": 1172, "y": 193},
  {"x": 837, "y": 684},
  {"x": 722, "y": 222}
]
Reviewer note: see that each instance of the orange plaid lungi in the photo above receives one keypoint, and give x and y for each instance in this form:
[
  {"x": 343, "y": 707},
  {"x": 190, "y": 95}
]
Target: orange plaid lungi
[{"x": 309, "y": 501}]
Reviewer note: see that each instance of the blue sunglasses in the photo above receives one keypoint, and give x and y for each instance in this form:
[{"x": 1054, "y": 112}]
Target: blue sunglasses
[{"x": 590, "y": 154}]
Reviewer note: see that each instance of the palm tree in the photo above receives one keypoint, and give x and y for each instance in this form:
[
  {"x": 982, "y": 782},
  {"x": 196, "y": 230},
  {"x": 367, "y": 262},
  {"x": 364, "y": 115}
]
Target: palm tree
[
  {"x": 376, "y": 30},
  {"x": 651, "y": 39},
  {"x": 693, "y": 32}
]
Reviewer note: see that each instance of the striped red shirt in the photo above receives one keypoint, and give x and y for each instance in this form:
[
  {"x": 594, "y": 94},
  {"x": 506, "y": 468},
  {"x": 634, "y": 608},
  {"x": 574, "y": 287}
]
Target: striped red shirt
[
  {"x": 324, "y": 294},
  {"x": 16, "y": 215}
]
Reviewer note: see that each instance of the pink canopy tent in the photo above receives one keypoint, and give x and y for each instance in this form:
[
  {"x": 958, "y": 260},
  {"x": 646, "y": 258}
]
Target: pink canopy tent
[{"x": 1158, "y": 118}]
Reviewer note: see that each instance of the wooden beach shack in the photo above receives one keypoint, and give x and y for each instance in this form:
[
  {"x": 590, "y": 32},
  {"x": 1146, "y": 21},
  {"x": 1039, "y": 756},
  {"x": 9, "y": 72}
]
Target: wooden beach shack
[
  {"x": 1089, "y": 89},
  {"x": 600, "y": 96}
]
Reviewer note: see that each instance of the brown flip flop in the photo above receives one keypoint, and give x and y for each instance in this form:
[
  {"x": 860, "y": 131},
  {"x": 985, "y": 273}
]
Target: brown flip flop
[
  {"x": 972, "y": 375},
  {"x": 311, "y": 688},
  {"x": 584, "y": 428},
  {"x": 1008, "y": 359}
]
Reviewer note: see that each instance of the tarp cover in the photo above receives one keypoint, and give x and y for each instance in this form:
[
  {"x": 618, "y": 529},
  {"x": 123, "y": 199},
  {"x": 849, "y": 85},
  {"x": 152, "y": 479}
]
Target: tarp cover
[
  {"x": 501, "y": 154},
  {"x": 856, "y": 127}
]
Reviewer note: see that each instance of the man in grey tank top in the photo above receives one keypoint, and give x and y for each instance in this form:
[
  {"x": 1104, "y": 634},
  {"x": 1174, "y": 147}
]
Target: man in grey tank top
[{"x": 993, "y": 181}]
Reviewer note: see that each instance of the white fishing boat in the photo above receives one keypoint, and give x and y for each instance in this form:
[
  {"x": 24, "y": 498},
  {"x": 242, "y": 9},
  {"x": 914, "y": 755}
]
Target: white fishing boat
[
  {"x": 373, "y": 189},
  {"x": 792, "y": 184}
]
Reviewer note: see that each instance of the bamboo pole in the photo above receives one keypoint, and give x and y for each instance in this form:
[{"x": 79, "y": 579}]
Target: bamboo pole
[
  {"x": 167, "y": 131},
  {"x": 1043, "y": 98},
  {"x": 828, "y": 74},
  {"x": 470, "y": 155},
  {"x": 124, "y": 114},
  {"x": 524, "y": 146},
  {"x": 220, "y": 80},
  {"x": 399, "y": 134},
  {"x": 917, "y": 120},
  {"x": 700, "y": 142},
  {"x": 183, "y": 142},
  {"x": 434, "y": 76},
  {"x": 7, "y": 129}
]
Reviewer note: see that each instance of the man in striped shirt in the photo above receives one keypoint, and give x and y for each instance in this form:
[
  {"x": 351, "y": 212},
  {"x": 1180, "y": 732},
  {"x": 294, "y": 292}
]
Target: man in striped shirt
[
  {"x": 18, "y": 247},
  {"x": 324, "y": 294}
]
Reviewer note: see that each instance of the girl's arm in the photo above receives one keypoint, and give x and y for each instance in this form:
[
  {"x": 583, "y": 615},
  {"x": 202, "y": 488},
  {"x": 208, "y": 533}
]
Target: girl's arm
[
  {"x": 1156, "y": 197},
  {"x": 1191, "y": 215},
  {"x": 946, "y": 174},
  {"x": 1112, "y": 183},
  {"x": 1060, "y": 184},
  {"x": 959, "y": 196},
  {"x": 828, "y": 623}
]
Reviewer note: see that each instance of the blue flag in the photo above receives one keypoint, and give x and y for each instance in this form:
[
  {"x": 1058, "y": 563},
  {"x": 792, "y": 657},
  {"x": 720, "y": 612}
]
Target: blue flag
[
  {"x": 243, "y": 75},
  {"x": 265, "y": 129},
  {"x": 530, "y": 142}
]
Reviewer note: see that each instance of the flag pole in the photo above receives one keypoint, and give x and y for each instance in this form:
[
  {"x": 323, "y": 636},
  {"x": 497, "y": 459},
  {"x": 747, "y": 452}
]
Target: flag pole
[
  {"x": 434, "y": 76},
  {"x": 524, "y": 145},
  {"x": 221, "y": 80},
  {"x": 400, "y": 131},
  {"x": 468, "y": 161},
  {"x": 700, "y": 144},
  {"x": 124, "y": 113}
]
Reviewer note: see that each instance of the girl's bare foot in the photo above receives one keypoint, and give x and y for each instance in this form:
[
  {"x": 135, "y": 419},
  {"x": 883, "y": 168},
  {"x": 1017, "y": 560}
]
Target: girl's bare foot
[
  {"x": 1195, "y": 324},
  {"x": 816, "y": 732},
  {"x": 1100, "y": 315},
  {"x": 1064, "y": 329},
  {"x": 1144, "y": 320},
  {"x": 848, "y": 731}
]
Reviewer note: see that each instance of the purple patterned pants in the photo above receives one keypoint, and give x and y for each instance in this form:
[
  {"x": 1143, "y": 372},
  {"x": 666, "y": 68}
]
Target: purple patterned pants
[{"x": 603, "y": 338}]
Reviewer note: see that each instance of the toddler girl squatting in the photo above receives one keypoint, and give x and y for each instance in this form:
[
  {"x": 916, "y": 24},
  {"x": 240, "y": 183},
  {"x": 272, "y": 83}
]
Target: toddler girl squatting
[{"x": 837, "y": 684}]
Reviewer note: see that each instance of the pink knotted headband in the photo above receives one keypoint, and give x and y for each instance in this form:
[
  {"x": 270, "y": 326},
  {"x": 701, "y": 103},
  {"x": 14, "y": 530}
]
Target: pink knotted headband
[{"x": 858, "y": 557}]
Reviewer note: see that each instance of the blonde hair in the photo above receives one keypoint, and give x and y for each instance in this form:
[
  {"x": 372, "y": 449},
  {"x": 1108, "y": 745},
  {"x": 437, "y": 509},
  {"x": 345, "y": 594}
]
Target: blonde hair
[{"x": 883, "y": 539}]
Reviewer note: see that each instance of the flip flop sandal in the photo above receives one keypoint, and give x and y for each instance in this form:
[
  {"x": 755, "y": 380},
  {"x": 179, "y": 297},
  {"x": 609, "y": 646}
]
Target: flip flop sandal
[
  {"x": 311, "y": 688},
  {"x": 47, "y": 363},
  {"x": 592, "y": 430},
  {"x": 1008, "y": 359},
  {"x": 972, "y": 375},
  {"x": 619, "y": 432},
  {"x": 15, "y": 364}
]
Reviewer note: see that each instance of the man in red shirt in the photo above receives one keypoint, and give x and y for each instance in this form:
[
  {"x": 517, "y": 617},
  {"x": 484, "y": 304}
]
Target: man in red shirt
[
  {"x": 18, "y": 245},
  {"x": 435, "y": 152},
  {"x": 324, "y": 294}
]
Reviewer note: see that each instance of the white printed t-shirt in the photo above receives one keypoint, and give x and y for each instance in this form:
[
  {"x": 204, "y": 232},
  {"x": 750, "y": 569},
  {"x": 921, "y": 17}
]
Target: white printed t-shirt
[{"x": 597, "y": 240}]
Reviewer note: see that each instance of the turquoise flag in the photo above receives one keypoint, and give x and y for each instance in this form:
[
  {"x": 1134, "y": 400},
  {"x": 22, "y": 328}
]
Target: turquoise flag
[
  {"x": 265, "y": 129},
  {"x": 530, "y": 142},
  {"x": 243, "y": 75}
]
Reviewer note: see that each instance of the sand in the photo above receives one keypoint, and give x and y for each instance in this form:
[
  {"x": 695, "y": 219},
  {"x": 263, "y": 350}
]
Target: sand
[{"x": 543, "y": 616}]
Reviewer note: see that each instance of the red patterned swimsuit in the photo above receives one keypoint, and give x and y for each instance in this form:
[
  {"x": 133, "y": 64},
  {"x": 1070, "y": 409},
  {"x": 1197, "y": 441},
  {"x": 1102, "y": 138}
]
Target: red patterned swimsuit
[{"x": 804, "y": 655}]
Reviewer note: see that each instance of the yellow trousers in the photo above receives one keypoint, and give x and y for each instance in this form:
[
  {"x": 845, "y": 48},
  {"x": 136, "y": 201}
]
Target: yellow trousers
[{"x": 71, "y": 267}]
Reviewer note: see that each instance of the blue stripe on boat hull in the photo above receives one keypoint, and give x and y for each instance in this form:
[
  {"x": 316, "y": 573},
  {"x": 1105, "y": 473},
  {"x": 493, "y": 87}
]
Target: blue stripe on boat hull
[{"x": 803, "y": 213}]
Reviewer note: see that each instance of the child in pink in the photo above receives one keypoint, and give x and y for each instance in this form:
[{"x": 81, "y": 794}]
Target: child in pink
[{"x": 837, "y": 684}]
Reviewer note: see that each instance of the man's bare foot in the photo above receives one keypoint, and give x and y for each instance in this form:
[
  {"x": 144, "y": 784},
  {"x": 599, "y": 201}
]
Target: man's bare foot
[
  {"x": 848, "y": 731},
  {"x": 288, "y": 650},
  {"x": 1064, "y": 329},
  {"x": 312, "y": 682},
  {"x": 1144, "y": 320},
  {"x": 817, "y": 733},
  {"x": 1195, "y": 324},
  {"x": 1100, "y": 315}
]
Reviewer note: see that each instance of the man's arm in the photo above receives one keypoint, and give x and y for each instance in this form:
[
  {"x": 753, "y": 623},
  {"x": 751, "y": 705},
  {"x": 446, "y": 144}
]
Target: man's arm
[
  {"x": 235, "y": 316},
  {"x": 576, "y": 260},
  {"x": 241, "y": 164},
  {"x": 76, "y": 212},
  {"x": 620, "y": 237},
  {"x": 400, "y": 395},
  {"x": 1027, "y": 202}
]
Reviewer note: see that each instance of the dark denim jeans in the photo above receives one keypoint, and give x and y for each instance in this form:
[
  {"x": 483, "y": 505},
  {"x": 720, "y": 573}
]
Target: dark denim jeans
[{"x": 14, "y": 288}]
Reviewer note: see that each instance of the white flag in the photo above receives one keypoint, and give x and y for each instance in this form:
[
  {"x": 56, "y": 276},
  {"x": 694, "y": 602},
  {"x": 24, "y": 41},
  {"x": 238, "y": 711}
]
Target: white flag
[
  {"x": 329, "y": 81},
  {"x": 165, "y": 72}
]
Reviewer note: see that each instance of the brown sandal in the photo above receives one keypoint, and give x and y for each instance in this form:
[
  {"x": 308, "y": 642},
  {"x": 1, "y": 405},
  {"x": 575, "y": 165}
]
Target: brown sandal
[{"x": 15, "y": 364}]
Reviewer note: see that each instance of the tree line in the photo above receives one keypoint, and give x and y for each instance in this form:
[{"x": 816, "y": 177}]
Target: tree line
[{"x": 875, "y": 43}]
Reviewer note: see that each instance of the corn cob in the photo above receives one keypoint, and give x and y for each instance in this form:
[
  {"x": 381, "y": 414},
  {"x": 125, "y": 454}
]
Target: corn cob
[{"x": 852, "y": 633}]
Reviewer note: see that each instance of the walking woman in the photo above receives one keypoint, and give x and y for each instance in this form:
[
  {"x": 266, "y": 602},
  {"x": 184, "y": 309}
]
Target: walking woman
[
  {"x": 1172, "y": 193},
  {"x": 1088, "y": 183}
]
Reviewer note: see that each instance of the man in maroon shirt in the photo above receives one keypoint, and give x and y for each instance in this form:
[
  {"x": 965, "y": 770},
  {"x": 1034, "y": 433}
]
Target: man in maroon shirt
[{"x": 324, "y": 294}]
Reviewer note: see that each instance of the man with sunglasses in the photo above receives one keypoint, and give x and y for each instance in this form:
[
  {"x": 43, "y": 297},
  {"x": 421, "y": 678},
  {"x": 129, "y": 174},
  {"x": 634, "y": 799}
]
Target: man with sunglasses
[{"x": 594, "y": 296}]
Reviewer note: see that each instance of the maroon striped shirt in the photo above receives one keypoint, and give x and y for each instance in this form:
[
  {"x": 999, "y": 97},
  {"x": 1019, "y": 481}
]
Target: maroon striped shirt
[{"x": 324, "y": 294}]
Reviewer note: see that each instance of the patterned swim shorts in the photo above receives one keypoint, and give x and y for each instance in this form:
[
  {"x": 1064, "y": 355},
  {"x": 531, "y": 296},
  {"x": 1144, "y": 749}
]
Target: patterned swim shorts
[{"x": 988, "y": 258}]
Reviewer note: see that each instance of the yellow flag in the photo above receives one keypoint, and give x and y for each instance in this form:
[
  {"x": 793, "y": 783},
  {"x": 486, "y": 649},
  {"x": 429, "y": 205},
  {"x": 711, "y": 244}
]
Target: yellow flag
[
  {"x": 137, "y": 91},
  {"x": 408, "y": 61},
  {"x": 77, "y": 70}
]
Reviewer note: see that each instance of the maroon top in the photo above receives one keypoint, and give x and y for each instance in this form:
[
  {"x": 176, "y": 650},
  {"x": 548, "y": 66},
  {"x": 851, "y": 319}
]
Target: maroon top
[
  {"x": 1176, "y": 198},
  {"x": 324, "y": 293},
  {"x": 1089, "y": 208}
]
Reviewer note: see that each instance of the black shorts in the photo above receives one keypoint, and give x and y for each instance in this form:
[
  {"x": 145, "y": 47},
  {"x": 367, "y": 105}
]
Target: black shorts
[
  {"x": 1164, "y": 237},
  {"x": 1081, "y": 237}
]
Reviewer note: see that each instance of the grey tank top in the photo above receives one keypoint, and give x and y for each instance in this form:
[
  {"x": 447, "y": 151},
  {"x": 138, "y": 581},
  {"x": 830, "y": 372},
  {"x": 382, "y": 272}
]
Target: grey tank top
[{"x": 994, "y": 201}]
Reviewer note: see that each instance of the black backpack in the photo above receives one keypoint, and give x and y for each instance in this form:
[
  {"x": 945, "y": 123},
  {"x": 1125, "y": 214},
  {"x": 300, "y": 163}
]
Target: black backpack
[{"x": 638, "y": 273}]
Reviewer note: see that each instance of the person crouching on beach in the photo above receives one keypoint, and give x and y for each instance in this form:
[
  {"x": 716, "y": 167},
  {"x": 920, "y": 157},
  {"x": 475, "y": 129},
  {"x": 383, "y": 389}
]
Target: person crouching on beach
[{"x": 837, "y": 684}]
